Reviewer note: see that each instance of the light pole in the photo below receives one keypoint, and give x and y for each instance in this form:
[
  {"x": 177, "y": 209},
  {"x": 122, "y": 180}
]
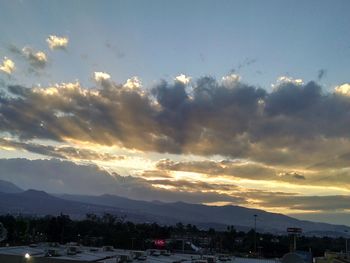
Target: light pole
[
  {"x": 346, "y": 245},
  {"x": 346, "y": 242},
  {"x": 132, "y": 242},
  {"x": 255, "y": 216}
]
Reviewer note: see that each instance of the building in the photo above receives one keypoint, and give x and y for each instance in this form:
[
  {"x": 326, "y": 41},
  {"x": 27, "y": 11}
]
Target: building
[
  {"x": 333, "y": 257},
  {"x": 73, "y": 253}
]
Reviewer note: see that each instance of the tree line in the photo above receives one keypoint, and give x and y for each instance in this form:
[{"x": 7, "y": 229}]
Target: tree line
[{"x": 116, "y": 231}]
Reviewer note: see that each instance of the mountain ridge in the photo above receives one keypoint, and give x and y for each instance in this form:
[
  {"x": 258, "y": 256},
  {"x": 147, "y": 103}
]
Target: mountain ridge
[
  {"x": 36, "y": 202},
  {"x": 144, "y": 206},
  {"x": 8, "y": 187}
]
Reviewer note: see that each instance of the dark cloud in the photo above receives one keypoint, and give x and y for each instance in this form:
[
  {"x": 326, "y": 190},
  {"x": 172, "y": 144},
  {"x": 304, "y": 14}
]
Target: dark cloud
[
  {"x": 293, "y": 125},
  {"x": 298, "y": 176},
  {"x": 14, "y": 49},
  {"x": 247, "y": 62},
  {"x": 331, "y": 177},
  {"x": 291, "y": 100},
  {"x": 338, "y": 160}
]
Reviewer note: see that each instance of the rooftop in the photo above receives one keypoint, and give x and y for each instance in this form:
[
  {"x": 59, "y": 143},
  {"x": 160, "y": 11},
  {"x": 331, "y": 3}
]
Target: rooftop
[{"x": 73, "y": 252}]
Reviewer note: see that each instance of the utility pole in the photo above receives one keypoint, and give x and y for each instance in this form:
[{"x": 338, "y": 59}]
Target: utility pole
[
  {"x": 255, "y": 216},
  {"x": 346, "y": 242},
  {"x": 293, "y": 232},
  {"x": 132, "y": 242}
]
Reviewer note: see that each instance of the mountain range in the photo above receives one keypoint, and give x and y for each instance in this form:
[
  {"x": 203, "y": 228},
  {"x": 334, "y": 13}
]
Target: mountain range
[{"x": 14, "y": 200}]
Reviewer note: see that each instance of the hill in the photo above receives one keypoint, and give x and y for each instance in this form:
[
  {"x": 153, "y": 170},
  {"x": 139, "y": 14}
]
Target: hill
[{"x": 14, "y": 200}]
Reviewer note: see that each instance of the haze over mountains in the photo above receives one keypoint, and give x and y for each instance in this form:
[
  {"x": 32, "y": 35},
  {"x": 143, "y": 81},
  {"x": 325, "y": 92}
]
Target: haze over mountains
[
  {"x": 7, "y": 187},
  {"x": 14, "y": 200}
]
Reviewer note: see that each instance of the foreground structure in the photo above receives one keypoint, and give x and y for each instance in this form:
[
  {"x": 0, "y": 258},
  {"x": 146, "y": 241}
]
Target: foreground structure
[{"x": 72, "y": 253}]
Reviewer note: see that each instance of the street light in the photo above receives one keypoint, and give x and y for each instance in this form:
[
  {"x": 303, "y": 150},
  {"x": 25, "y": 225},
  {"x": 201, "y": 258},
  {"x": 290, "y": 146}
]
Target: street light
[
  {"x": 346, "y": 242},
  {"x": 27, "y": 256}
]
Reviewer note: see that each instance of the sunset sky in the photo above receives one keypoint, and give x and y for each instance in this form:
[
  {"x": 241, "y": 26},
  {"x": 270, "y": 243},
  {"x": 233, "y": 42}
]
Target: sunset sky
[{"x": 215, "y": 102}]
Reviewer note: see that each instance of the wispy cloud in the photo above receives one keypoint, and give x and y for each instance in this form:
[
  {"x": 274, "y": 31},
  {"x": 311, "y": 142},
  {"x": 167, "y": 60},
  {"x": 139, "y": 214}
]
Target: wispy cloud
[
  {"x": 62, "y": 152},
  {"x": 37, "y": 59},
  {"x": 321, "y": 74}
]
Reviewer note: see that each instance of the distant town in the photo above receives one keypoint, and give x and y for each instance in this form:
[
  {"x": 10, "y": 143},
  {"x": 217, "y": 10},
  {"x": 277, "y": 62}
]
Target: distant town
[{"x": 110, "y": 238}]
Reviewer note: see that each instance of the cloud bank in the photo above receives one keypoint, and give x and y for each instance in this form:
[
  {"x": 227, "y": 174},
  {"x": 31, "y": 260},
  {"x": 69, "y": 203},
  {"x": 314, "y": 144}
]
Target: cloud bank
[{"x": 293, "y": 123}]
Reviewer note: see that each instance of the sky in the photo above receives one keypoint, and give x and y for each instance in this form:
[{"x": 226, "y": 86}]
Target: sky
[{"x": 214, "y": 102}]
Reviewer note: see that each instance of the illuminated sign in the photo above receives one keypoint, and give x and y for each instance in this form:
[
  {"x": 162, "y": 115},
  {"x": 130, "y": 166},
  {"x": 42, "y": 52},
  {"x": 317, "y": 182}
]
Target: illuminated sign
[{"x": 159, "y": 242}]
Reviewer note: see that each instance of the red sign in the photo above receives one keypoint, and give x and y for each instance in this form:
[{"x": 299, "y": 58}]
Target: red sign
[{"x": 159, "y": 242}]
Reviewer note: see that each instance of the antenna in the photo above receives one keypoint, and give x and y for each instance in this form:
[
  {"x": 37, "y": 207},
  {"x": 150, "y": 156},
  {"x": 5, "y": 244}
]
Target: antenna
[{"x": 3, "y": 232}]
